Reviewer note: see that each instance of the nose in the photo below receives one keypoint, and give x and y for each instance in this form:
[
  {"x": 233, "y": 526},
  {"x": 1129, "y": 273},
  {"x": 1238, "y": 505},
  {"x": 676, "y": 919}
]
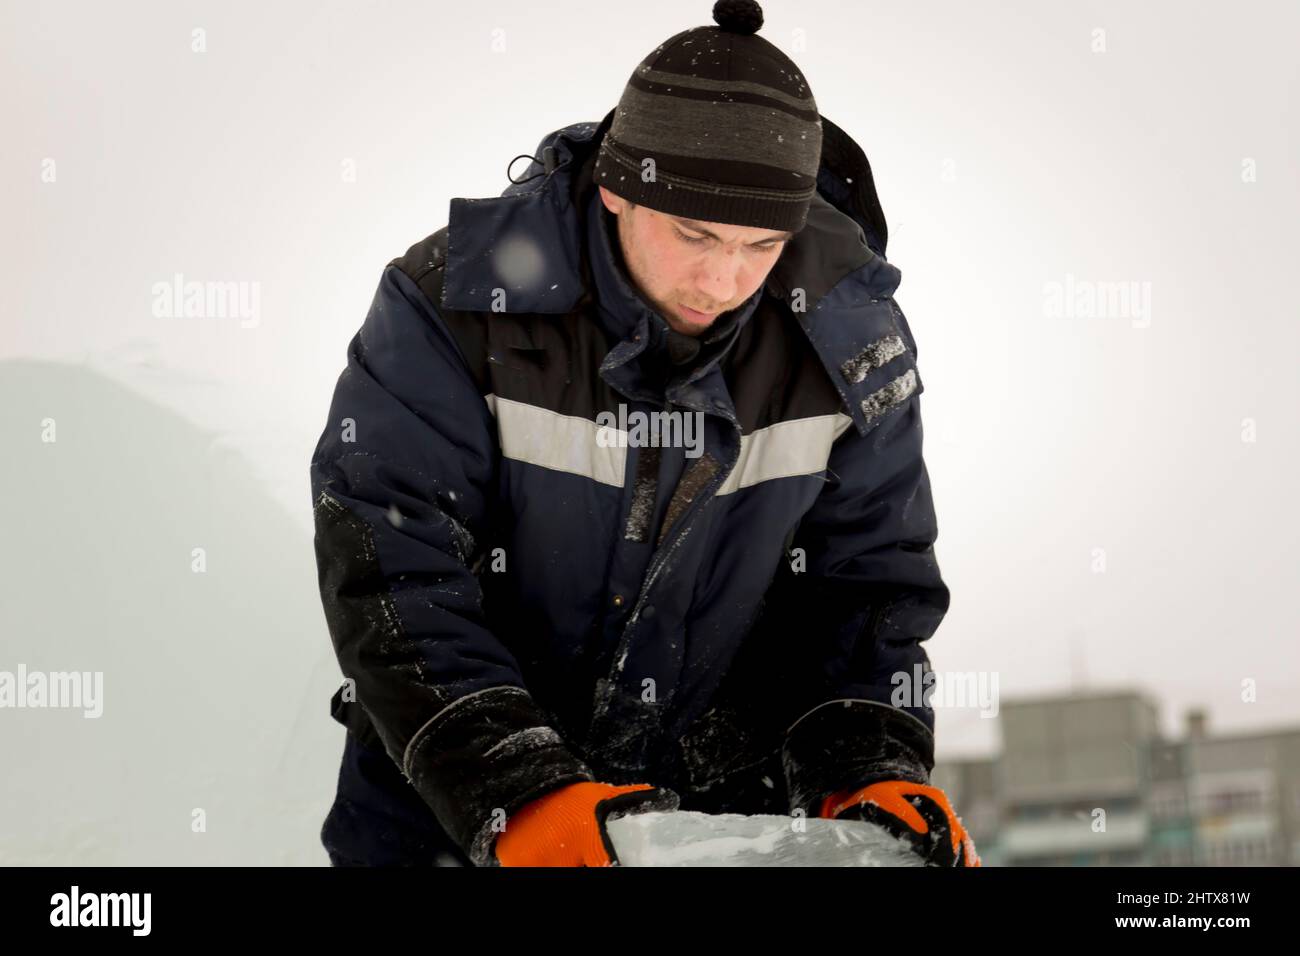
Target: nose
[{"x": 719, "y": 280}]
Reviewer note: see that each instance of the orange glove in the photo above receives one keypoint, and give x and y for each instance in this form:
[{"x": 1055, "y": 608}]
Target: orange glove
[
  {"x": 917, "y": 812},
  {"x": 566, "y": 827}
]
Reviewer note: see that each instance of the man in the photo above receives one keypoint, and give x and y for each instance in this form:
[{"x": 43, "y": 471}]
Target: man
[{"x": 544, "y": 619}]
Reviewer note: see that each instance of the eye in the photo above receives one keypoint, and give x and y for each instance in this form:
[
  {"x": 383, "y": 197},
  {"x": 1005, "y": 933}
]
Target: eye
[{"x": 766, "y": 246}]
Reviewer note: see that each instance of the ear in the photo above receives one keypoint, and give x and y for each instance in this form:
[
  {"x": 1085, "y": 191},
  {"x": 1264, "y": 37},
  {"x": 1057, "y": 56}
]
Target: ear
[{"x": 615, "y": 204}]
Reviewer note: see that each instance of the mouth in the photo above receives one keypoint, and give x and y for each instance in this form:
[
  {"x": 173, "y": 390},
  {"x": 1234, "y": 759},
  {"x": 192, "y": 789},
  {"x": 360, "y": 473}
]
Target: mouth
[{"x": 696, "y": 317}]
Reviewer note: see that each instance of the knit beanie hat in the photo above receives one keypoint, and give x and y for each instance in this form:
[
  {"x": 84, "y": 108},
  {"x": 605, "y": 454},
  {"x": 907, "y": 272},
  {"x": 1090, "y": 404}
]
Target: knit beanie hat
[{"x": 716, "y": 124}]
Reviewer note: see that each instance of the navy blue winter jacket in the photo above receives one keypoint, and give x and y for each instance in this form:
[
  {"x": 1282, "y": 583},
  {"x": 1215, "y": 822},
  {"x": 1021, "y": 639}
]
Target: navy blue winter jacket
[{"x": 518, "y": 602}]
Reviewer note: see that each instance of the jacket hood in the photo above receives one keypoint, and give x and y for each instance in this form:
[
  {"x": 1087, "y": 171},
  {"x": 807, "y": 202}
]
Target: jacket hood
[
  {"x": 527, "y": 251},
  {"x": 529, "y": 241}
]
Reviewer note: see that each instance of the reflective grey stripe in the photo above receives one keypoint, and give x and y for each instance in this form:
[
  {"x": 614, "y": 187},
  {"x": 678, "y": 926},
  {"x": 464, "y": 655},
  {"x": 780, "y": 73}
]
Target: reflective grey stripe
[
  {"x": 540, "y": 436},
  {"x": 801, "y": 446}
]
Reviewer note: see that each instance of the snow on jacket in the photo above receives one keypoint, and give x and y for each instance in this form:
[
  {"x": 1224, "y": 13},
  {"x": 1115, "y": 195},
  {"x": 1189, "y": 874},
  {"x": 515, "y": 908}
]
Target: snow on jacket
[{"x": 518, "y": 601}]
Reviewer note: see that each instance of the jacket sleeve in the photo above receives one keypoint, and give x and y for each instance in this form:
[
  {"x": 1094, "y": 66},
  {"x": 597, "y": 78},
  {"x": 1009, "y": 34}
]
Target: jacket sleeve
[
  {"x": 870, "y": 595},
  {"x": 403, "y": 480}
]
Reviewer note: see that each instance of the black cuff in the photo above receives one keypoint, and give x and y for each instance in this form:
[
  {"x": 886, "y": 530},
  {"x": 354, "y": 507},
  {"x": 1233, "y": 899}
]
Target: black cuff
[
  {"x": 481, "y": 758},
  {"x": 851, "y": 743}
]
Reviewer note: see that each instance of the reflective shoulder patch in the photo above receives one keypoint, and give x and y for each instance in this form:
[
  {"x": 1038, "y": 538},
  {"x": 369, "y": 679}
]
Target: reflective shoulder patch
[
  {"x": 887, "y": 396},
  {"x": 872, "y": 357}
]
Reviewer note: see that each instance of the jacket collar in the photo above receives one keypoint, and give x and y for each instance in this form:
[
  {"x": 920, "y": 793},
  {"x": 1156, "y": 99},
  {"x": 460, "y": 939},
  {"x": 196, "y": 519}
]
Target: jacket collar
[
  {"x": 522, "y": 251},
  {"x": 626, "y": 314}
]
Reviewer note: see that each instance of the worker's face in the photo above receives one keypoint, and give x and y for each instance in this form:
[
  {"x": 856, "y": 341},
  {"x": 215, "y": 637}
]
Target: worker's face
[{"x": 689, "y": 276}]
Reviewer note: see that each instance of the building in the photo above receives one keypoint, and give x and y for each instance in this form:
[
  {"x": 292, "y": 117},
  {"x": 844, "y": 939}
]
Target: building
[{"x": 1087, "y": 780}]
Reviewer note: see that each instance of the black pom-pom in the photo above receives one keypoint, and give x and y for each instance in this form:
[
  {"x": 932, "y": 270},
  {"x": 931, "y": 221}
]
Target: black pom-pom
[{"x": 738, "y": 16}]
